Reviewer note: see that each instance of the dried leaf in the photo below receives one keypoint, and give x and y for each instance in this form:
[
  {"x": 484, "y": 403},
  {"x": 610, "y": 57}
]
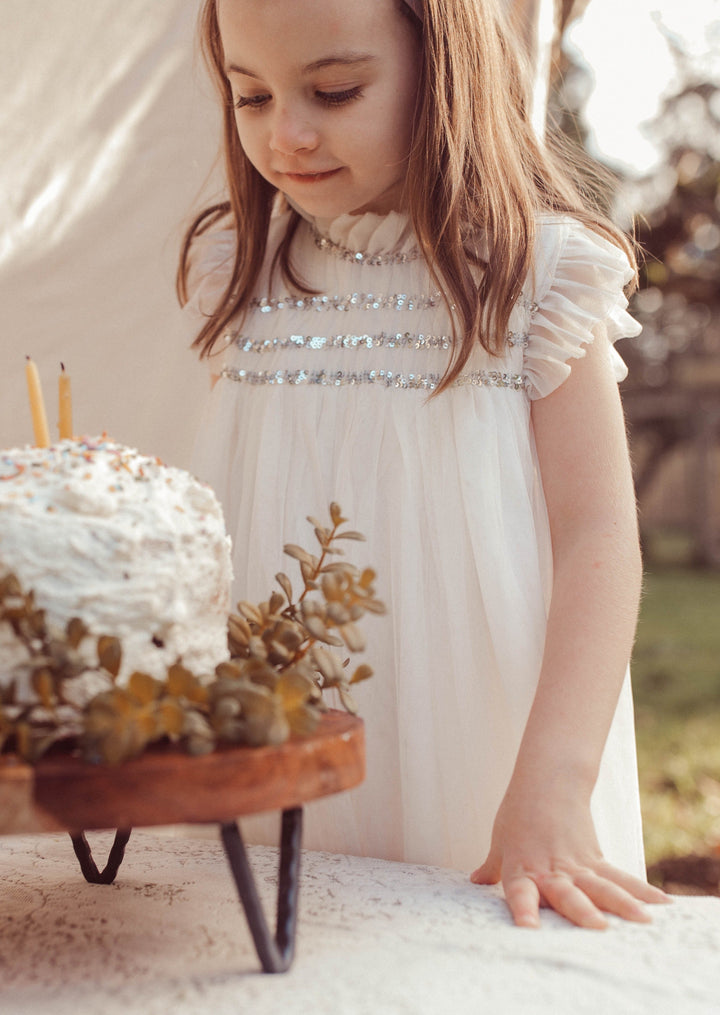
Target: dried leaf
[
  {"x": 182, "y": 683},
  {"x": 75, "y": 632},
  {"x": 171, "y": 718},
  {"x": 317, "y": 629},
  {"x": 352, "y": 636},
  {"x": 323, "y": 536},
  {"x": 42, "y": 683},
  {"x": 284, "y": 583},
  {"x": 367, "y": 578},
  {"x": 347, "y": 699},
  {"x": 144, "y": 687},
  {"x": 338, "y": 614},
  {"x": 363, "y": 672},
  {"x": 250, "y": 611},
  {"x": 327, "y": 663},
  {"x": 294, "y": 689},
  {"x": 239, "y": 629},
  {"x": 299, "y": 554},
  {"x": 336, "y": 515},
  {"x": 229, "y": 671},
  {"x": 109, "y": 653},
  {"x": 10, "y": 586},
  {"x": 336, "y": 567},
  {"x": 257, "y": 647}
]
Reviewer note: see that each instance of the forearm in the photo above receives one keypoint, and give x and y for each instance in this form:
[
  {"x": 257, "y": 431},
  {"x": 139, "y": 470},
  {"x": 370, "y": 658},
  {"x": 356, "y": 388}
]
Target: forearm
[{"x": 590, "y": 631}]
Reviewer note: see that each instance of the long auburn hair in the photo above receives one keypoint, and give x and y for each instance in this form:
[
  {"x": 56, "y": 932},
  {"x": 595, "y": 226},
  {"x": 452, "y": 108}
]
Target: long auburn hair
[{"x": 476, "y": 168}]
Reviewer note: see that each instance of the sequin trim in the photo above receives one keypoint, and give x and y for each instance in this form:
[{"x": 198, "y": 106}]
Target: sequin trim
[
  {"x": 359, "y": 256},
  {"x": 382, "y": 378},
  {"x": 385, "y": 340},
  {"x": 350, "y": 301}
]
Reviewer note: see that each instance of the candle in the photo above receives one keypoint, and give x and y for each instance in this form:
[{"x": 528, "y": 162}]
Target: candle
[
  {"x": 37, "y": 405},
  {"x": 65, "y": 426}
]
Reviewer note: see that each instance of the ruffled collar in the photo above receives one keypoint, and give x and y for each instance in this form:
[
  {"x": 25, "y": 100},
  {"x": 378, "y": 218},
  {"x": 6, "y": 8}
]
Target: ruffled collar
[{"x": 364, "y": 238}]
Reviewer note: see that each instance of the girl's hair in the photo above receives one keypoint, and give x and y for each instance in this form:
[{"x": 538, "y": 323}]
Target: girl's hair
[{"x": 476, "y": 169}]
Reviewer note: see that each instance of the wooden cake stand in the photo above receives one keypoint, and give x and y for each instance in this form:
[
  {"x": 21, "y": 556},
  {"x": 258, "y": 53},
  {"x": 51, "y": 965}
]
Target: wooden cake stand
[{"x": 166, "y": 786}]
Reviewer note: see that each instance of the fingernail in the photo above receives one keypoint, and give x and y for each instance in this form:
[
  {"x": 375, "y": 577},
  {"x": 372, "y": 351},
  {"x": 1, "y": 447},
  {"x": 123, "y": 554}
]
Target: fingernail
[{"x": 528, "y": 920}]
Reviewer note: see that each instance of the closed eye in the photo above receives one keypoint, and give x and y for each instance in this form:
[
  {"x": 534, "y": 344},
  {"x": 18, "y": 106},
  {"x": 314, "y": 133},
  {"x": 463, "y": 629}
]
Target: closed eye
[
  {"x": 251, "y": 101},
  {"x": 340, "y": 98},
  {"x": 328, "y": 98}
]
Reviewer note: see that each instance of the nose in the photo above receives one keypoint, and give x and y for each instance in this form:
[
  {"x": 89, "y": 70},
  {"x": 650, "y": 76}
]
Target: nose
[{"x": 291, "y": 132}]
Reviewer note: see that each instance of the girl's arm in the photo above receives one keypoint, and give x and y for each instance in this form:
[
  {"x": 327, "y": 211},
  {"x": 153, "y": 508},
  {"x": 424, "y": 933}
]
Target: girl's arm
[{"x": 544, "y": 846}]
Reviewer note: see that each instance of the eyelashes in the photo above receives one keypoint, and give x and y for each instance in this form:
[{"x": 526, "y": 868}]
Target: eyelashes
[
  {"x": 339, "y": 98},
  {"x": 325, "y": 98}
]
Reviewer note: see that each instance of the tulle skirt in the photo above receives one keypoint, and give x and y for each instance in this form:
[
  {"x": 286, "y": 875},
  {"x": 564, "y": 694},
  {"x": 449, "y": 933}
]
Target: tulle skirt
[{"x": 448, "y": 495}]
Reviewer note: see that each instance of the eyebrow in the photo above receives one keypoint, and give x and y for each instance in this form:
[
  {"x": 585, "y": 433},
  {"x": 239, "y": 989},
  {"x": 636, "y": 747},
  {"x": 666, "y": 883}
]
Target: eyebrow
[{"x": 342, "y": 59}]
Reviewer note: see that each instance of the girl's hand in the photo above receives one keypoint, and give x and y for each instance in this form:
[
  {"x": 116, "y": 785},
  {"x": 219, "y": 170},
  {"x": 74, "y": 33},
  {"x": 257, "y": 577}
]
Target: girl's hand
[{"x": 548, "y": 855}]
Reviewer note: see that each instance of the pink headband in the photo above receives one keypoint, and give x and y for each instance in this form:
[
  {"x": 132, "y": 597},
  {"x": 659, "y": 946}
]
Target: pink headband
[{"x": 416, "y": 7}]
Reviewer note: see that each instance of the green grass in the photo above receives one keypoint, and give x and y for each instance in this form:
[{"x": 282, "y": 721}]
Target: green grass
[{"x": 676, "y": 681}]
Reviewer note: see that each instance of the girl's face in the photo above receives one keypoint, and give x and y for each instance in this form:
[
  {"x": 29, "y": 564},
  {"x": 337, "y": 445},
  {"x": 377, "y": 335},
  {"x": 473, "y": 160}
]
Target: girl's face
[{"x": 324, "y": 92}]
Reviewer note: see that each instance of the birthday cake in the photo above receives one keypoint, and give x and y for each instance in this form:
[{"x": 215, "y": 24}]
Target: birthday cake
[{"x": 134, "y": 548}]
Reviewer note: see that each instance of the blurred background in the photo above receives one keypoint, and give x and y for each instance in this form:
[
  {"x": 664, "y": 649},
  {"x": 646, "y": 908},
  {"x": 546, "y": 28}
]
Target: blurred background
[
  {"x": 108, "y": 136},
  {"x": 637, "y": 87}
]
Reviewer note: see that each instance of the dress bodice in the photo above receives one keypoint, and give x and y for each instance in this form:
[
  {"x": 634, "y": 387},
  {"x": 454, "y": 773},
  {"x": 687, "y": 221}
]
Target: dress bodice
[{"x": 375, "y": 317}]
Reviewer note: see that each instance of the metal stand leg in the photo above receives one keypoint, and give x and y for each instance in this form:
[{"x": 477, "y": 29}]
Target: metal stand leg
[
  {"x": 275, "y": 954},
  {"x": 88, "y": 865}
]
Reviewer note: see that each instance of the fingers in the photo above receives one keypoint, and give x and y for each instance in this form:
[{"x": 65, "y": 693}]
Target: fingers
[
  {"x": 523, "y": 898},
  {"x": 639, "y": 889},
  {"x": 583, "y": 896},
  {"x": 611, "y": 897},
  {"x": 568, "y": 899}
]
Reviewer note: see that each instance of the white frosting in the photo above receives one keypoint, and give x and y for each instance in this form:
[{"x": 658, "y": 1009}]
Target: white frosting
[{"x": 135, "y": 548}]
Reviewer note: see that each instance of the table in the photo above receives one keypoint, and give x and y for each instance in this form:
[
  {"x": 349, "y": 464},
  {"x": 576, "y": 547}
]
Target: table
[
  {"x": 375, "y": 937},
  {"x": 166, "y": 786}
]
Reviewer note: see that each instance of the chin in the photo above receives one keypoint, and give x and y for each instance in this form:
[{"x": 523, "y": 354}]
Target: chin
[{"x": 318, "y": 208}]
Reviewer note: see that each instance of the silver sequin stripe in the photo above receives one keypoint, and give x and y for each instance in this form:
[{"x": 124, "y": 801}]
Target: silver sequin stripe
[
  {"x": 361, "y": 301},
  {"x": 350, "y": 301},
  {"x": 382, "y": 378},
  {"x": 385, "y": 340},
  {"x": 360, "y": 256}
]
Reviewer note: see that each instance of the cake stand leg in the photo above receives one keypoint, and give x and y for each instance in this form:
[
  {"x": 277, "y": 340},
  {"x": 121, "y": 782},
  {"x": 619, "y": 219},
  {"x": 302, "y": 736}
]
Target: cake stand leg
[
  {"x": 88, "y": 865},
  {"x": 275, "y": 953}
]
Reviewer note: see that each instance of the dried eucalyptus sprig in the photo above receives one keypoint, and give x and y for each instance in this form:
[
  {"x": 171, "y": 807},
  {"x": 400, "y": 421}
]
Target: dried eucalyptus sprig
[
  {"x": 279, "y": 638},
  {"x": 282, "y": 660}
]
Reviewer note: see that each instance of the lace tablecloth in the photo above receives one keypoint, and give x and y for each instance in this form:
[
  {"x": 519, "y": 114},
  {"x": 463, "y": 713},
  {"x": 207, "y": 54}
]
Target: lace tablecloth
[{"x": 374, "y": 937}]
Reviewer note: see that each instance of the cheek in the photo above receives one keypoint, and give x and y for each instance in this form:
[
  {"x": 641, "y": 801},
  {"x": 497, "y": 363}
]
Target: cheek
[
  {"x": 249, "y": 137},
  {"x": 394, "y": 135}
]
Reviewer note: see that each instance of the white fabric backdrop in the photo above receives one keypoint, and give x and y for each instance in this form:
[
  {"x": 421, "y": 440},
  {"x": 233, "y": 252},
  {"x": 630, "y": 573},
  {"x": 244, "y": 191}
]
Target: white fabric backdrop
[{"x": 108, "y": 131}]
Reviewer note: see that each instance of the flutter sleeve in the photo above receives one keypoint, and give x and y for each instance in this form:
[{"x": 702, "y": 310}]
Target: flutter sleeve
[
  {"x": 582, "y": 296},
  {"x": 211, "y": 262}
]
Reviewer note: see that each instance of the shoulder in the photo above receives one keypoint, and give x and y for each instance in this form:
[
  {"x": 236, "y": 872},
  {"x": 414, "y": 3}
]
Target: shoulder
[
  {"x": 212, "y": 254},
  {"x": 577, "y": 290},
  {"x": 210, "y": 258},
  {"x": 566, "y": 247}
]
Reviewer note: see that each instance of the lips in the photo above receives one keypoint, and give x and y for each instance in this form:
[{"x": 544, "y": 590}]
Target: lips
[{"x": 312, "y": 177}]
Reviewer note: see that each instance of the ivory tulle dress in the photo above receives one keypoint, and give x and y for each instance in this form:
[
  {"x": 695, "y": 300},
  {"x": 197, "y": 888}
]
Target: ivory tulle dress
[{"x": 324, "y": 398}]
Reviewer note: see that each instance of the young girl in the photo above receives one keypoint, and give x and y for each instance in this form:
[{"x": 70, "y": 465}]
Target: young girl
[{"x": 409, "y": 310}]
